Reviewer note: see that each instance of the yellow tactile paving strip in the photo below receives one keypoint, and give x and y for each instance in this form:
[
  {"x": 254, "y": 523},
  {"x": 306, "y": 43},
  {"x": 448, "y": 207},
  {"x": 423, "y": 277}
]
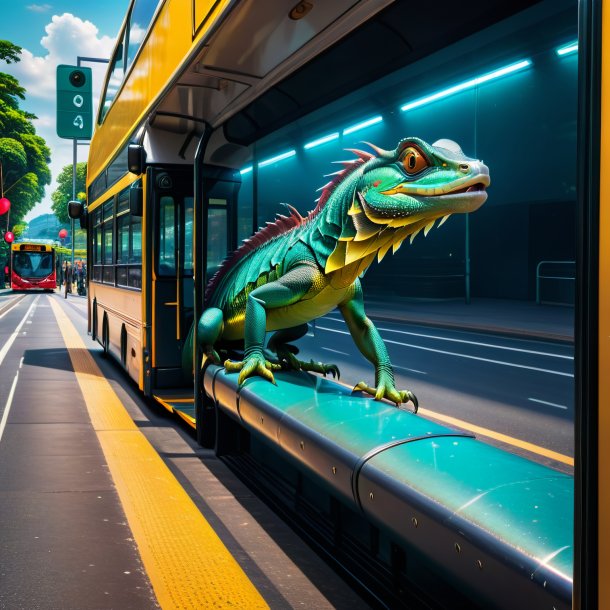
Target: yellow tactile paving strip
[{"x": 188, "y": 565}]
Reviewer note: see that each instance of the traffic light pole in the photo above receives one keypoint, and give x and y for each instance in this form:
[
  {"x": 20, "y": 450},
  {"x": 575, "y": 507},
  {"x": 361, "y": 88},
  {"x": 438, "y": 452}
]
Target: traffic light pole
[{"x": 79, "y": 59}]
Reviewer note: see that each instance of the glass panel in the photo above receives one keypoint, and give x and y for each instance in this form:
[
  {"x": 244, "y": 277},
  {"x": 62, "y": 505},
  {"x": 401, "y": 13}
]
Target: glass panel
[
  {"x": 109, "y": 209},
  {"x": 217, "y": 238},
  {"x": 33, "y": 265},
  {"x": 121, "y": 276},
  {"x": 115, "y": 80},
  {"x": 122, "y": 253},
  {"x": 135, "y": 253},
  {"x": 245, "y": 207},
  {"x": 167, "y": 237},
  {"x": 108, "y": 275},
  {"x": 123, "y": 203},
  {"x": 141, "y": 16},
  {"x": 188, "y": 235},
  {"x": 135, "y": 277},
  {"x": 107, "y": 229}
]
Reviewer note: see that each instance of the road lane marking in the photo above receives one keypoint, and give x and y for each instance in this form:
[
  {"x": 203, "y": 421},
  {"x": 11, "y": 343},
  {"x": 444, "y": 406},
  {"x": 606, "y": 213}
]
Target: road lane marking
[
  {"x": 549, "y": 404},
  {"x": 335, "y": 351},
  {"x": 7, "y": 407},
  {"x": 477, "y": 343},
  {"x": 404, "y": 368},
  {"x": 11, "y": 305},
  {"x": 469, "y": 357},
  {"x": 188, "y": 565},
  {"x": 9, "y": 342}
]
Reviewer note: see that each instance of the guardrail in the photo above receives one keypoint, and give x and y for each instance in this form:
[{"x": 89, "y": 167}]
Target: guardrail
[{"x": 556, "y": 276}]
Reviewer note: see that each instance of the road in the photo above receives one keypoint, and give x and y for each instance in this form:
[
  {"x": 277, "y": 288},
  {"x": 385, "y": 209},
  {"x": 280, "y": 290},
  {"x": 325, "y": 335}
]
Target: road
[
  {"x": 519, "y": 391},
  {"x": 515, "y": 393}
]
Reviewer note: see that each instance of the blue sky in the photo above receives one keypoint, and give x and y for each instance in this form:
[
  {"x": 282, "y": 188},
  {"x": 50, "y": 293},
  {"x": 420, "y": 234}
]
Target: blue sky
[{"x": 50, "y": 34}]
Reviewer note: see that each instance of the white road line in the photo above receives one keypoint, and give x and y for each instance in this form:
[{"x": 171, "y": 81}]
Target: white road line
[
  {"x": 10, "y": 308},
  {"x": 404, "y": 368},
  {"x": 440, "y": 351},
  {"x": 478, "y": 343},
  {"x": 548, "y": 404},
  {"x": 11, "y": 339},
  {"x": 335, "y": 351},
  {"x": 8, "y": 405}
]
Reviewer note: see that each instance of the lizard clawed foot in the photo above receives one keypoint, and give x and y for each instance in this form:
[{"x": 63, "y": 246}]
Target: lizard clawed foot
[
  {"x": 390, "y": 392},
  {"x": 320, "y": 367},
  {"x": 290, "y": 362},
  {"x": 255, "y": 364}
]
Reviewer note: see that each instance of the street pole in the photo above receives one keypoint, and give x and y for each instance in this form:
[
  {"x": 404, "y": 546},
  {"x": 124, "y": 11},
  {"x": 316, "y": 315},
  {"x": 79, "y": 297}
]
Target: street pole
[{"x": 74, "y": 147}]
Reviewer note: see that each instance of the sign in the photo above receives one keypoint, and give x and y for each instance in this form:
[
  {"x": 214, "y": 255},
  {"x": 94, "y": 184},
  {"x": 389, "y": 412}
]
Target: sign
[{"x": 74, "y": 102}]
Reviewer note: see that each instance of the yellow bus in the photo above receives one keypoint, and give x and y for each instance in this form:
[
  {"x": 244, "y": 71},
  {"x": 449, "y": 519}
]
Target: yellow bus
[{"x": 213, "y": 113}]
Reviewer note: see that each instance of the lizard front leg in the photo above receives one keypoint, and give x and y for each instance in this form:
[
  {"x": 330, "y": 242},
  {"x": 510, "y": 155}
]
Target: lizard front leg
[
  {"x": 286, "y": 290},
  {"x": 372, "y": 347}
]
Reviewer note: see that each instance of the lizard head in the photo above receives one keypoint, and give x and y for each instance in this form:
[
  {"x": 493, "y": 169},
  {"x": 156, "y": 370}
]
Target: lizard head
[{"x": 417, "y": 183}]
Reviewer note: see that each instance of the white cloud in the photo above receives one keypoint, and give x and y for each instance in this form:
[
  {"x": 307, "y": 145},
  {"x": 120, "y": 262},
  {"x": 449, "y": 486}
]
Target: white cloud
[
  {"x": 67, "y": 37},
  {"x": 39, "y": 8}
]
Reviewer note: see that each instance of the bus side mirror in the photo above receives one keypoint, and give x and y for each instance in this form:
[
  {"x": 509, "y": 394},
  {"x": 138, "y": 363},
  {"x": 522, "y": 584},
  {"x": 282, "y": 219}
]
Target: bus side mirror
[
  {"x": 75, "y": 209},
  {"x": 136, "y": 200},
  {"x": 83, "y": 220},
  {"x": 136, "y": 159}
]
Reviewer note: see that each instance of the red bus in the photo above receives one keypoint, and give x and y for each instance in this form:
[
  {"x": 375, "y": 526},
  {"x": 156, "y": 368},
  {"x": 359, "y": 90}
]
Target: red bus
[{"x": 33, "y": 267}]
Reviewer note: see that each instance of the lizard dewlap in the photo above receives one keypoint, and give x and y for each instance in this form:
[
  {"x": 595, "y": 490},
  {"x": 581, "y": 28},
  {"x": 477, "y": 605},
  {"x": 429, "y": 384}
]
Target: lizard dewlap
[{"x": 299, "y": 268}]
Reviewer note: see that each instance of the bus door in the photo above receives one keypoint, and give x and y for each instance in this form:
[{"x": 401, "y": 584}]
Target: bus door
[
  {"x": 172, "y": 278},
  {"x": 220, "y": 190},
  {"x": 172, "y": 270}
]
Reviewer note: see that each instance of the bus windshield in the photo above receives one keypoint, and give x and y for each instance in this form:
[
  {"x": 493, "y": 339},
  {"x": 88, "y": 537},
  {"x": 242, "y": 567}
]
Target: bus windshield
[{"x": 33, "y": 264}]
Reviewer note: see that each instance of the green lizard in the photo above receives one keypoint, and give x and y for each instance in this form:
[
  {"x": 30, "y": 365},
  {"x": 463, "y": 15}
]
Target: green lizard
[{"x": 297, "y": 269}]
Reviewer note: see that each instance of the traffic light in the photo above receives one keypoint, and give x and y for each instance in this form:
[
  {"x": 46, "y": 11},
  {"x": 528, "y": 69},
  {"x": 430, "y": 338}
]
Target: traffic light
[{"x": 74, "y": 102}]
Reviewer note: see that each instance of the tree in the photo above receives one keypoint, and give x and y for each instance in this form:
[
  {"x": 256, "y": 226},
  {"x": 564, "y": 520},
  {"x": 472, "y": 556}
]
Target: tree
[
  {"x": 63, "y": 194},
  {"x": 24, "y": 156}
]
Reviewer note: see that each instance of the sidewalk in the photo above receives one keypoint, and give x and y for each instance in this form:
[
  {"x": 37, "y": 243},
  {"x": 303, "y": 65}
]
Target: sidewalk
[{"x": 519, "y": 318}]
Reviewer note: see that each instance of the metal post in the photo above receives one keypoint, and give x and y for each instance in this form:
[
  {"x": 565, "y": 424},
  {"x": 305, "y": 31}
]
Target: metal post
[
  {"x": 74, "y": 149},
  {"x": 467, "y": 259},
  {"x": 204, "y": 414}
]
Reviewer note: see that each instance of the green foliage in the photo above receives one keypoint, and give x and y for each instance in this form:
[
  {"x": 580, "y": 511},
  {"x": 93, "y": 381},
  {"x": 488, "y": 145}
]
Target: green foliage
[
  {"x": 9, "y": 52},
  {"x": 18, "y": 229},
  {"x": 24, "y": 156},
  {"x": 63, "y": 194}
]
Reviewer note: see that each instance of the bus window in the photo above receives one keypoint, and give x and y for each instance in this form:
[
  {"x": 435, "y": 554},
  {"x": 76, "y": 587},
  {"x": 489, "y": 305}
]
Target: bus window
[
  {"x": 188, "y": 236},
  {"x": 141, "y": 16},
  {"x": 114, "y": 82},
  {"x": 122, "y": 246},
  {"x": 167, "y": 237},
  {"x": 135, "y": 248},
  {"x": 217, "y": 236}
]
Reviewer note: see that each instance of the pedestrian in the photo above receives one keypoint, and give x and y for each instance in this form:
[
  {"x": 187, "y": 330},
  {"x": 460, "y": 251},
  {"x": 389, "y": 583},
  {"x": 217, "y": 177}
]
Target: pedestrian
[{"x": 68, "y": 279}]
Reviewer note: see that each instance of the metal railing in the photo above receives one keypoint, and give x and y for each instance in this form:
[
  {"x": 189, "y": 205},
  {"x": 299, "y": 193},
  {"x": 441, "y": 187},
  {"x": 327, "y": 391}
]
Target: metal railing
[{"x": 554, "y": 276}]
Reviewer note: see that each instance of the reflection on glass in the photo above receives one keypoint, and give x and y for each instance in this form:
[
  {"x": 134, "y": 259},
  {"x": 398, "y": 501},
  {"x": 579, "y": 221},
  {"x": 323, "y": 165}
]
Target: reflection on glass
[{"x": 34, "y": 265}]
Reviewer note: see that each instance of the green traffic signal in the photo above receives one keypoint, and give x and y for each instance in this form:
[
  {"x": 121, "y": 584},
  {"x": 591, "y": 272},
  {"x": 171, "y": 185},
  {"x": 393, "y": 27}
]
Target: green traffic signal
[{"x": 74, "y": 102}]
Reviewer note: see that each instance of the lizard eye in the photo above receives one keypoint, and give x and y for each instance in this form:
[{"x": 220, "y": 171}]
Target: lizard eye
[{"x": 413, "y": 161}]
